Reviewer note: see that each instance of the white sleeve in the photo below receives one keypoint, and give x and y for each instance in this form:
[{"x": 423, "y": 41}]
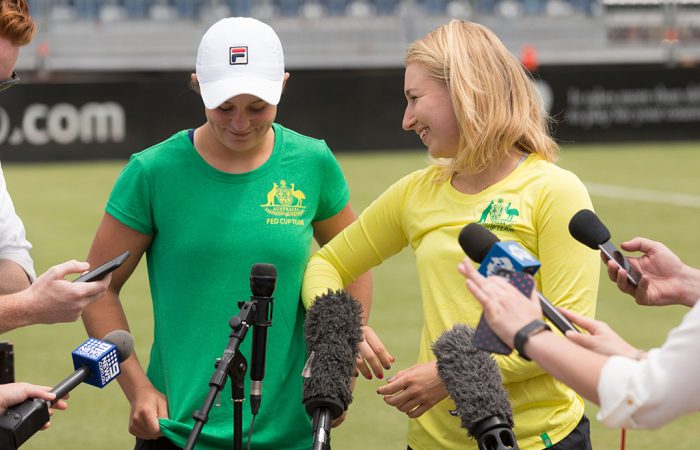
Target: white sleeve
[
  {"x": 13, "y": 243},
  {"x": 658, "y": 389}
]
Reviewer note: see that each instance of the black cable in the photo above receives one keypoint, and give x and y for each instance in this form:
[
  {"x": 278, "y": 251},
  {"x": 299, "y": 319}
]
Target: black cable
[{"x": 250, "y": 431}]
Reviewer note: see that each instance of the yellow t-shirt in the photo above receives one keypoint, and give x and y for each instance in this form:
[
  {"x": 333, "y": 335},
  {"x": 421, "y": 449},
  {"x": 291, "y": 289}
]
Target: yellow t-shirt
[{"x": 533, "y": 206}]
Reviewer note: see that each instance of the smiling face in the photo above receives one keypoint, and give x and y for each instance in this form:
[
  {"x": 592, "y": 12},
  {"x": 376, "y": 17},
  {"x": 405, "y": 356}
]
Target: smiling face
[
  {"x": 429, "y": 112},
  {"x": 241, "y": 123}
]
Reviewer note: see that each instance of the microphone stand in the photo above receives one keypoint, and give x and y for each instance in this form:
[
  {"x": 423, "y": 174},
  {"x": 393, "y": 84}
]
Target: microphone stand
[{"x": 233, "y": 364}]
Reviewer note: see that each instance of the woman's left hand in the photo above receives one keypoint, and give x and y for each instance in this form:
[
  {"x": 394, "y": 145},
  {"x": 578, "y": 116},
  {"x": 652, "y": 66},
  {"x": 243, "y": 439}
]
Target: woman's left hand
[
  {"x": 602, "y": 339},
  {"x": 414, "y": 390}
]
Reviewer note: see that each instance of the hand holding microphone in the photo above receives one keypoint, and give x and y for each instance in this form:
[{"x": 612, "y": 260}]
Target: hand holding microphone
[
  {"x": 656, "y": 278},
  {"x": 96, "y": 363}
]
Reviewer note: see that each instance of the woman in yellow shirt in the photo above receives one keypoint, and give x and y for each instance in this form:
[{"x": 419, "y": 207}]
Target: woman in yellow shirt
[{"x": 476, "y": 110}]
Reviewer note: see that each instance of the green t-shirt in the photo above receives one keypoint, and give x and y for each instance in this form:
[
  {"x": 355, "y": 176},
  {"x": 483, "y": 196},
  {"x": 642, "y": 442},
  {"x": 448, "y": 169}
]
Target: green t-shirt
[{"x": 209, "y": 228}]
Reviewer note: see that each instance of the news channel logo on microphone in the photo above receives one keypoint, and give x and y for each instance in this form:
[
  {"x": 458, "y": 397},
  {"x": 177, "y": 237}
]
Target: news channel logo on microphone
[
  {"x": 102, "y": 358},
  {"x": 511, "y": 256}
]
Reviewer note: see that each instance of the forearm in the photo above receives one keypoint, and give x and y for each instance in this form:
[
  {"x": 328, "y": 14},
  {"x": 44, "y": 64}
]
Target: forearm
[
  {"x": 106, "y": 315},
  {"x": 13, "y": 278},
  {"x": 573, "y": 365},
  {"x": 14, "y": 312},
  {"x": 361, "y": 289}
]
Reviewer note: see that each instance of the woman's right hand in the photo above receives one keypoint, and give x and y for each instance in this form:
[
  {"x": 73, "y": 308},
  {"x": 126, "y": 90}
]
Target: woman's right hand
[
  {"x": 373, "y": 356},
  {"x": 147, "y": 406}
]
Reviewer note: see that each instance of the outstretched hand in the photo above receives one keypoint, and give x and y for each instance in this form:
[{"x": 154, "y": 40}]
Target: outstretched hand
[{"x": 665, "y": 279}]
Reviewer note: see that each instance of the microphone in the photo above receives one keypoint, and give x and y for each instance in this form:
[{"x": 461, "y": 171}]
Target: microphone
[
  {"x": 96, "y": 362},
  {"x": 332, "y": 331},
  {"x": 474, "y": 382},
  {"x": 263, "y": 278},
  {"x": 484, "y": 247},
  {"x": 587, "y": 228}
]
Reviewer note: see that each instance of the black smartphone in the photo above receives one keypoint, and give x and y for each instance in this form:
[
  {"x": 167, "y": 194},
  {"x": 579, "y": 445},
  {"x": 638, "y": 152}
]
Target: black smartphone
[
  {"x": 484, "y": 338},
  {"x": 102, "y": 271},
  {"x": 613, "y": 253}
]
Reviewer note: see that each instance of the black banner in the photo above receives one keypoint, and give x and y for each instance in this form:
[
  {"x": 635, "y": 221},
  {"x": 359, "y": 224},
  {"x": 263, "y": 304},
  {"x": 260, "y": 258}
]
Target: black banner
[{"x": 350, "y": 109}]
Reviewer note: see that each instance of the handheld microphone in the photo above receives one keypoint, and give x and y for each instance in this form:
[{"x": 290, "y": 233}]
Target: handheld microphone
[
  {"x": 96, "y": 363},
  {"x": 474, "y": 382},
  {"x": 479, "y": 243},
  {"x": 263, "y": 278},
  {"x": 587, "y": 228},
  {"x": 332, "y": 331}
]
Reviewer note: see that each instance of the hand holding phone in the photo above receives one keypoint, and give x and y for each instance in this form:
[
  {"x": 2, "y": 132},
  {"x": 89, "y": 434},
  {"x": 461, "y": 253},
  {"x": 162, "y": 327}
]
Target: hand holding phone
[{"x": 102, "y": 271}]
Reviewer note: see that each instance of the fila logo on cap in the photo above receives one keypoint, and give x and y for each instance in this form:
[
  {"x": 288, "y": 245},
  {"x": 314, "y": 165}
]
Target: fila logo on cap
[{"x": 239, "y": 55}]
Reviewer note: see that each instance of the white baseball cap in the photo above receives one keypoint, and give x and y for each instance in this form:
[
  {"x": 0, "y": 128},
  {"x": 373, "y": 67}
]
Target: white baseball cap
[{"x": 240, "y": 55}]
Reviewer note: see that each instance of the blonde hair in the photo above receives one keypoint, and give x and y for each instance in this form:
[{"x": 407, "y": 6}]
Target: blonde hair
[
  {"x": 495, "y": 102},
  {"x": 16, "y": 24}
]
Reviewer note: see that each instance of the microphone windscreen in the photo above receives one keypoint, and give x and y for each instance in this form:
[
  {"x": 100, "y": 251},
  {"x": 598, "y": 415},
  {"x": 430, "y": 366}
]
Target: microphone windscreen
[
  {"x": 124, "y": 342},
  {"x": 263, "y": 278},
  {"x": 472, "y": 378},
  {"x": 587, "y": 228},
  {"x": 332, "y": 331},
  {"x": 476, "y": 241}
]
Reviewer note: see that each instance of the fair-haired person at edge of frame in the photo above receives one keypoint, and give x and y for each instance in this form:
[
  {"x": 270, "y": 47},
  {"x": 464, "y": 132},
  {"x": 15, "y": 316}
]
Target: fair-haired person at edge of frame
[
  {"x": 475, "y": 108},
  {"x": 25, "y": 299},
  {"x": 635, "y": 389},
  {"x": 204, "y": 206}
]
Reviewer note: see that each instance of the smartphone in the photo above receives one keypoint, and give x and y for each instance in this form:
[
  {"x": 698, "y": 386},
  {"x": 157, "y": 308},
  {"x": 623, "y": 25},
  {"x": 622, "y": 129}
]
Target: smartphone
[
  {"x": 613, "y": 253},
  {"x": 484, "y": 338},
  {"x": 102, "y": 271}
]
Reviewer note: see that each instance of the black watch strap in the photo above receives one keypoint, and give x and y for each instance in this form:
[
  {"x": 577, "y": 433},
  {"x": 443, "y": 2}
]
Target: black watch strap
[{"x": 524, "y": 334}]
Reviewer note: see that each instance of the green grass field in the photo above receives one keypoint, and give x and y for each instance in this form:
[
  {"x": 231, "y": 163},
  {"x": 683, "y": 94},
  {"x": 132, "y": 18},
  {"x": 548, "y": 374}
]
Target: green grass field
[{"x": 61, "y": 205}]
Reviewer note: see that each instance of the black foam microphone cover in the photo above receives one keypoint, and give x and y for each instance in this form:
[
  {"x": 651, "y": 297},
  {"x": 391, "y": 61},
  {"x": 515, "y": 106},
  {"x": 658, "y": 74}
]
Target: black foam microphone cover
[
  {"x": 476, "y": 241},
  {"x": 332, "y": 331},
  {"x": 587, "y": 228},
  {"x": 263, "y": 278},
  {"x": 474, "y": 383}
]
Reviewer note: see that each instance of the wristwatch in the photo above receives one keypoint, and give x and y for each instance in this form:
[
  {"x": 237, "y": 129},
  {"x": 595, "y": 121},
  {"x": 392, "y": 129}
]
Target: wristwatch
[{"x": 521, "y": 337}]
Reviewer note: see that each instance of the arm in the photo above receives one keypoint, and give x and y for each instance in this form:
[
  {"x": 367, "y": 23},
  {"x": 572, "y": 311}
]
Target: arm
[
  {"x": 665, "y": 279},
  {"x": 633, "y": 393},
  {"x": 324, "y": 231},
  {"x": 657, "y": 389},
  {"x": 375, "y": 236},
  {"x": 13, "y": 278},
  {"x": 374, "y": 354},
  {"x": 107, "y": 314},
  {"x": 16, "y": 266},
  {"x": 51, "y": 298}
]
